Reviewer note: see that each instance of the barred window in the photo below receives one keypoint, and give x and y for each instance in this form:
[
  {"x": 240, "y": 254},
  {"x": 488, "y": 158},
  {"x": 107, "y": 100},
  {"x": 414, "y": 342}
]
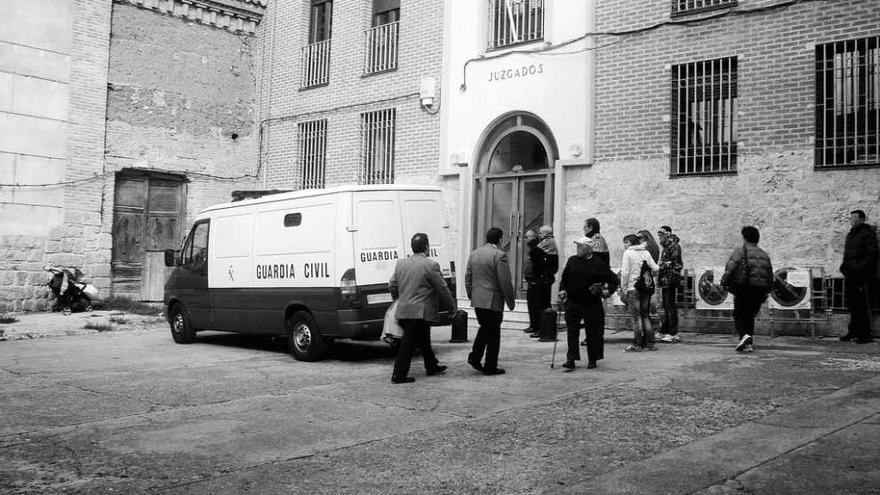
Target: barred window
[
  {"x": 682, "y": 7},
  {"x": 377, "y": 147},
  {"x": 515, "y": 21},
  {"x": 703, "y": 119},
  {"x": 847, "y": 99},
  {"x": 381, "y": 40},
  {"x": 312, "y": 137}
]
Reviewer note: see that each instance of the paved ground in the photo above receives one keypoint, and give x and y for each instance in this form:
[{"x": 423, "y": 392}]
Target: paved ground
[{"x": 124, "y": 410}]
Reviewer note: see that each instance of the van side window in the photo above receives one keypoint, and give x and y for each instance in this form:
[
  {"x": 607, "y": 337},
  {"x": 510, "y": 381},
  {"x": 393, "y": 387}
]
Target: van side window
[
  {"x": 195, "y": 254},
  {"x": 292, "y": 219}
]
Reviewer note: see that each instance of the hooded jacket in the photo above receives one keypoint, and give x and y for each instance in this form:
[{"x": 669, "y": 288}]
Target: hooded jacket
[
  {"x": 670, "y": 263},
  {"x": 860, "y": 253}
]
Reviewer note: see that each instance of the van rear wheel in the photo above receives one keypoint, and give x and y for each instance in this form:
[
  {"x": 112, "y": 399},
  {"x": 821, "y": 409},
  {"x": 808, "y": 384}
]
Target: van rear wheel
[
  {"x": 306, "y": 343},
  {"x": 181, "y": 329}
]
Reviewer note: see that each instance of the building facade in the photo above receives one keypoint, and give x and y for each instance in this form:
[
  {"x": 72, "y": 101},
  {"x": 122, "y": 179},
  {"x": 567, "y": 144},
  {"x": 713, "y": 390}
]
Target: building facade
[{"x": 120, "y": 120}]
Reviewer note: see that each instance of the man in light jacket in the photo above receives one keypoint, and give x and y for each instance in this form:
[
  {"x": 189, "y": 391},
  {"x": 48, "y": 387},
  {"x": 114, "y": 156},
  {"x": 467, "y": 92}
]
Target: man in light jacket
[
  {"x": 417, "y": 285},
  {"x": 488, "y": 285}
]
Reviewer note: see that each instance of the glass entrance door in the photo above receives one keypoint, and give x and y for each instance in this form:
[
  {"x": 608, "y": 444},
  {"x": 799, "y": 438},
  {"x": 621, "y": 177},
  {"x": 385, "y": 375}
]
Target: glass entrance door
[{"x": 516, "y": 205}]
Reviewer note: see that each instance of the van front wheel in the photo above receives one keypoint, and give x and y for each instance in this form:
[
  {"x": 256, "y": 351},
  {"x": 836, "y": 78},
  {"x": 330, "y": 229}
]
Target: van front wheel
[
  {"x": 306, "y": 343},
  {"x": 181, "y": 329}
]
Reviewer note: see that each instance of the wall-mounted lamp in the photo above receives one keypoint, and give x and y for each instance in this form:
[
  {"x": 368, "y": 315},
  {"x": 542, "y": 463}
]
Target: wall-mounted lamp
[{"x": 427, "y": 95}]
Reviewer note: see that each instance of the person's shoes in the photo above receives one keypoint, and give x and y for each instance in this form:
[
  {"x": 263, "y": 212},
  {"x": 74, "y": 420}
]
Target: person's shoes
[
  {"x": 475, "y": 363},
  {"x": 528, "y": 329},
  {"x": 846, "y": 338},
  {"x": 406, "y": 379},
  {"x": 584, "y": 342},
  {"x": 650, "y": 348},
  {"x": 568, "y": 366},
  {"x": 591, "y": 365},
  {"x": 493, "y": 371},
  {"x": 675, "y": 339},
  {"x": 743, "y": 342},
  {"x": 632, "y": 348},
  {"x": 437, "y": 370},
  {"x": 663, "y": 337},
  {"x": 749, "y": 348},
  {"x": 535, "y": 335},
  {"x": 865, "y": 340}
]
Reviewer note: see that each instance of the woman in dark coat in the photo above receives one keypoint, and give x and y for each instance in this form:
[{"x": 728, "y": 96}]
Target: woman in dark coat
[{"x": 748, "y": 275}]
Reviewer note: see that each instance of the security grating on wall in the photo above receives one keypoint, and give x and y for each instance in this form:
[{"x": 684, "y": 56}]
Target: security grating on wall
[
  {"x": 704, "y": 106},
  {"x": 847, "y": 100},
  {"x": 515, "y": 21},
  {"x": 681, "y": 7},
  {"x": 312, "y": 144},
  {"x": 377, "y": 147}
]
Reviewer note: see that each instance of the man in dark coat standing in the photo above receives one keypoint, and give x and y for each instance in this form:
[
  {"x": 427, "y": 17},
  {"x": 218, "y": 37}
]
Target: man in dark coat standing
[
  {"x": 417, "y": 285},
  {"x": 859, "y": 267},
  {"x": 545, "y": 263},
  {"x": 584, "y": 282},
  {"x": 487, "y": 281}
]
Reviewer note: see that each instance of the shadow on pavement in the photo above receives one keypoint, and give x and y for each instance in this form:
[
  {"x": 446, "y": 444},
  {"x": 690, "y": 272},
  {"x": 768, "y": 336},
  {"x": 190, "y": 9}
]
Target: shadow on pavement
[{"x": 340, "y": 350}]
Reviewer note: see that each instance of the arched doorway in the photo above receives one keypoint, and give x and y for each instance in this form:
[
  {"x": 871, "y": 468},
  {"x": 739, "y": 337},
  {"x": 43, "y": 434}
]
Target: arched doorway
[{"x": 513, "y": 184}]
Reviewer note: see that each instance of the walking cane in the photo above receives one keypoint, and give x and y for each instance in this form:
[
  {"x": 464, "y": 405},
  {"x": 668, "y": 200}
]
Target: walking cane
[{"x": 555, "y": 335}]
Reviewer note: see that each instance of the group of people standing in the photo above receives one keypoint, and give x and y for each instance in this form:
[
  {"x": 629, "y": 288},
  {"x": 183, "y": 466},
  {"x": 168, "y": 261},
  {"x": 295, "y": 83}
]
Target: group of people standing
[{"x": 417, "y": 285}]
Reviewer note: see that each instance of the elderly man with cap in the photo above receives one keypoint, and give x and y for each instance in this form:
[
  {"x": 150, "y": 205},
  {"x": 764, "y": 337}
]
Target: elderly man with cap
[{"x": 585, "y": 281}]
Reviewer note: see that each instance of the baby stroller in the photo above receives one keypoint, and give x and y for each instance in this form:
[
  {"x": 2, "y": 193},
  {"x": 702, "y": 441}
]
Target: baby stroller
[{"x": 70, "y": 293}]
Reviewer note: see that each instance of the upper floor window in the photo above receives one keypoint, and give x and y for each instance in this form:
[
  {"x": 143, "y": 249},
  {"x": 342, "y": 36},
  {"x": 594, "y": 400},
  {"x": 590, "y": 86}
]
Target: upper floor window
[
  {"x": 703, "y": 117},
  {"x": 315, "y": 57},
  {"x": 682, "y": 7},
  {"x": 312, "y": 140},
  {"x": 515, "y": 21},
  {"x": 380, "y": 40},
  {"x": 377, "y": 147},
  {"x": 847, "y": 100}
]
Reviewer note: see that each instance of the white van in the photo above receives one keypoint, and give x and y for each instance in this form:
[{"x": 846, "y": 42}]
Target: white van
[{"x": 311, "y": 265}]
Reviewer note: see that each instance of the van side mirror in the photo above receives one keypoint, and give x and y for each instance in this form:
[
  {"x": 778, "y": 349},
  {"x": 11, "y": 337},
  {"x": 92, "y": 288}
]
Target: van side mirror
[{"x": 170, "y": 258}]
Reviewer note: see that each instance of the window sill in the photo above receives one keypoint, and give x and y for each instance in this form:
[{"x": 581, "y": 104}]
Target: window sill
[
  {"x": 823, "y": 168},
  {"x": 702, "y": 174},
  {"x": 513, "y": 46},
  {"x": 685, "y": 13},
  {"x": 313, "y": 86},
  {"x": 378, "y": 72}
]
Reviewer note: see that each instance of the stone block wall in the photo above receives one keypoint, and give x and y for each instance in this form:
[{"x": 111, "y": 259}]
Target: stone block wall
[{"x": 284, "y": 104}]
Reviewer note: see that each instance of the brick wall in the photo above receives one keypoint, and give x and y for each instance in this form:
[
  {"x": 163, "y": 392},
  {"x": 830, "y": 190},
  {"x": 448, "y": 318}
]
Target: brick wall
[
  {"x": 802, "y": 213},
  {"x": 283, "y": 103}
]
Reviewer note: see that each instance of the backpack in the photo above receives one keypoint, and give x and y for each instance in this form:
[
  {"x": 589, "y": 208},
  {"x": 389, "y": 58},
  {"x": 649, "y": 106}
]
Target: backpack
[{"x": 645, "y": 282}]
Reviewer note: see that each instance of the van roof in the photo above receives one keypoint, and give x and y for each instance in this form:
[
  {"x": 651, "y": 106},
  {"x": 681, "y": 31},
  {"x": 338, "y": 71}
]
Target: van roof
[{"x": 310, "y": 193}]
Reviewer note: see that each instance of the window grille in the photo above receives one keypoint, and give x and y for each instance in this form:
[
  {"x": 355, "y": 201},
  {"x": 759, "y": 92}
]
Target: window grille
[
  {"x": 680, "y": 7},
  {"x": 847, "y": 100},
  {"x": 515, "y": 21},
  {"x": 381, "y": 48},
  {"x": 312, "y": 153},
  {"x": 377, "y": 147},
  {"x": 704, "y": 105}
]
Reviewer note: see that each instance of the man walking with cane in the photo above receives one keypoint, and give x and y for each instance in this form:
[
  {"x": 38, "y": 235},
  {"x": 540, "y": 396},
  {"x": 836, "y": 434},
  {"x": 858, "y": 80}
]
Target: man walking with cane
[{"x": 585, "y": 281}]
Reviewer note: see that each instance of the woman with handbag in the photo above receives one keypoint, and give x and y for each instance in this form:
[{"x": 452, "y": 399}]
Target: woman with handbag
[{"x": 748, "y": 275}]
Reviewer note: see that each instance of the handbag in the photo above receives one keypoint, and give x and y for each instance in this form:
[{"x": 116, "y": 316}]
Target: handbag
[
  {"x": 741, "y": 273},
  {"x": 391, "y": 330}
]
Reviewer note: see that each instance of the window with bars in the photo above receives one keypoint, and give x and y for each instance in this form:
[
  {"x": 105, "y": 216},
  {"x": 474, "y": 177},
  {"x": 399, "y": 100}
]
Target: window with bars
[
  {"x": 315, "y": 56},
  {"x": 377, "y": 147},
  {"x": 515, "y": 21},
  {"x": 704, "y": 96},
  {"x": 682, "y": 7},
  {"x": 847, "y": 100},
  {"x": 381, "y": 40},
  {"x": 312, "y": 144}
]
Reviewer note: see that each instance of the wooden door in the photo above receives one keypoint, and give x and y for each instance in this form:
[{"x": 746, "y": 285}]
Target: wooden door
[{"x": 147, "y": 219}]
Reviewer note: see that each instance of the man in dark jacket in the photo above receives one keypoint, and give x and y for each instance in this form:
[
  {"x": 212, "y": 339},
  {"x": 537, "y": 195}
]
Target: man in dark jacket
[
  {"x": 545, "y": 263},
  {"x": 584, "y": 282},
  {"x": 859, "y": 267},
  {"x": 417, "y": 285},
  {"x": 531, "y": 242},
  {"x": 749, "y": 276},
  {"x": 669, "y": 281}
]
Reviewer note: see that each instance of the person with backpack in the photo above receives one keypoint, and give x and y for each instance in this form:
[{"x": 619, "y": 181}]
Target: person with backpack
[
  {"x": 637, "y": 273},
  {"x": 748, "y": 275}
]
